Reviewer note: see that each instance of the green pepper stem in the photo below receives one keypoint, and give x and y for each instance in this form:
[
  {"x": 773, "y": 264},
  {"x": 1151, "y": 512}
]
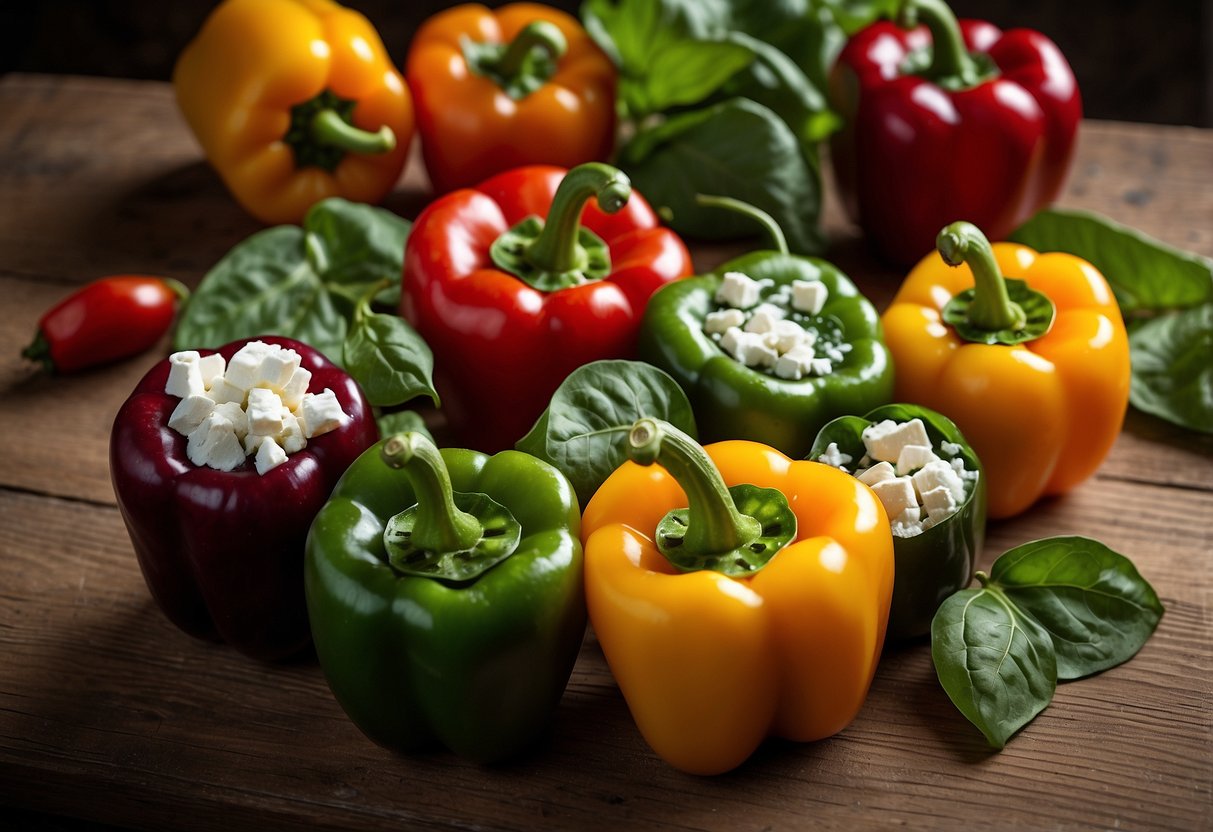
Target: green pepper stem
[
  {"x": 992, "y": 308},
  {"x": 557, "y": 249},
  {"x": 329, "y": 128},
  {"x": 177, "y": 288},
  {"x": 440, "y": 526},
  {"x": 713, "y": 522},
  {"x": 779, "y": 241},
  {"x": 537, "y": 35},
  {"x": 951, "y": 63}
]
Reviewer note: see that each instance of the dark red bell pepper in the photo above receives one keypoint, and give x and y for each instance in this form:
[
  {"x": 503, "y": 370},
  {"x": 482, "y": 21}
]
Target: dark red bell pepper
[
  {"x": 514, "y": 287},
  {"x": 947, "y": 121},
  {"x": 222, "y": 552}
]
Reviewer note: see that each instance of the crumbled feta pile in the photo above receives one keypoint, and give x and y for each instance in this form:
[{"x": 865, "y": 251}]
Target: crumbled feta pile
[
  {"x": 765, "y": 338},
  {"x": 257, "y": 405},
  {"x": 917, "y": 487}
]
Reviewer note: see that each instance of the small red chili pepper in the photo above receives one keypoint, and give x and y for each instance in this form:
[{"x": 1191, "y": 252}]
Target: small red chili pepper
[{"x": 111, "y": 318}]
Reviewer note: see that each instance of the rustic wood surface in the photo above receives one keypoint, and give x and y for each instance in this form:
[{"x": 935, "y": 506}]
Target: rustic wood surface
[{"x": 110, "y": 715}]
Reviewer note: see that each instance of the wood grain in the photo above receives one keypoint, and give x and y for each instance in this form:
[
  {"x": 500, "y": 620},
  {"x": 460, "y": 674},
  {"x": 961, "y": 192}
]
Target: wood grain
[{"x": 109, "y": 714}]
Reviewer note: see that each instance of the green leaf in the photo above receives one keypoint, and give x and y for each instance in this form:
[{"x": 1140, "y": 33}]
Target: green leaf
[
  {"x": 1147, "y": 275},
  {"x": 298, "y": 282},
  {"x": 1172, "y": 361},
  {"x": 996, "y": 664},
  {"x": 684, "y": 72},
  {"x": 403, "y": 421},
  {"x": 582, "y": 430},
  {"x": 737, "y": 148},
  {"x": 389, "y": 359},
  {"x": 1092, "y": 601},
  {"x": 775, "y": 81}
]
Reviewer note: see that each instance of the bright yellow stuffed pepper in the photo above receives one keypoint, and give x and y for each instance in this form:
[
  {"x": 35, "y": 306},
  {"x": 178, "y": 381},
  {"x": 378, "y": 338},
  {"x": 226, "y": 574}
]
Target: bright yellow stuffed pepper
[
  {"x": 729, "y": 614},
  {"x": 1034, "y": 370},
  {"x": 294, "y": 101}
]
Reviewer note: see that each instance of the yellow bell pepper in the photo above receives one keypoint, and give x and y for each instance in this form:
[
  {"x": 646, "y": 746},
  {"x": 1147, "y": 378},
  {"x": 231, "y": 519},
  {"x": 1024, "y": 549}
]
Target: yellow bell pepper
[
  {"x": 294, "y": 101},
  {"x": 722, "y": 629},
  {"x": 1036, "y": 376}
]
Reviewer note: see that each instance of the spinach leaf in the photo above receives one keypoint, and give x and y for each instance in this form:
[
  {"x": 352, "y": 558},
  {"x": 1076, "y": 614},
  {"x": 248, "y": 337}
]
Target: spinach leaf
[
  {"x": 995, "y": 663},
  {"x": 773, "y": 80},
  {"x": 582, "y": 430},
  {"x": 388, "y": 358},
  {"x": 1097, "y": 608},
  {"x": 1147, "y": 275},
  {"x": 1172, "y": 361},
  {"x": 1054, "y": 609},
  {"x": 737, "y": 148},
  {"x": 299, "y": 282},
  {"x": 403, "y": 421}
]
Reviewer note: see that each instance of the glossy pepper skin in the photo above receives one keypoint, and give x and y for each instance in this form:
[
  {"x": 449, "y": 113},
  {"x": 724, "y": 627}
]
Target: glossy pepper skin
[
  {"x": 415, "y": 660},
  {"x": 1041, "y": 414},
  {"x": 111, "y": 318},
  {"x": 222, "y": 552},
  {"x": 294, "y": 101},
  {"x": 933, "y": 565},
  {"x": 711, "y": 664},
  {"x": 946, "y": 122},
  {"x": 502, "y": 345},
  {"x": 733, "y": 401},
  {"x": 499, "y": 89}
]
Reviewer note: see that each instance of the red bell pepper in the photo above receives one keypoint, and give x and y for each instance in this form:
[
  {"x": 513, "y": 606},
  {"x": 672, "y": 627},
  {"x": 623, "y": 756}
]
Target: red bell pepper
[
  {"x": 511, "y": 303},
  {"x": 949, "y": 120},
  {"x": 222, "y": 551}
]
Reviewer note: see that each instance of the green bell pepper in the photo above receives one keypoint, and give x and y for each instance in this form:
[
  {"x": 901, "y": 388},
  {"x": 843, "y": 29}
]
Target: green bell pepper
[
  {"x": 932, "y": 565},
  {"x": 735, "y": 401},
  {"x": 445, "y": 595}
]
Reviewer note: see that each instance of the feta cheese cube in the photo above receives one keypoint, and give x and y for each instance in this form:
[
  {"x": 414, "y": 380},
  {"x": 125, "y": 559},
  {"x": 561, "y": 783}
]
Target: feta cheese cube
[
  {"x": 772, "y": 310},
  {"x": 761, "y": 323},
  {"x": 213, "y": 443},
  {"x": 939, "y": 502},
  {"x": 277, "y": 368},
  {"x": 242, "y": 370},
  {"x": 753, "y": 351},
  {"x": 738, "y": 290},
  {"x": 809, "y": 296},
  {"x": 292, "y": 393},
  {"x": 189, "y": 413},
  {"x": 908, "y": 523},
  {"x": 184, "y": 375},
  {"x": 731, "y": 339},
  {"x": 884, "y": 440},
  {"x": 221, "y": 390},
  {"x": 785, "y": 336},
  {"x": 212, "y": 367},
  {"x": 879, "y": 472},
  {"x": 264, "y": 412},
  {"x": 950, "y": 448},
  {"x": 269, "y": 455},
  {"x": 717, "y": 323},
  {"x": 320, "y": 413},
  {"x": 234, "y": 413},
  {"x": 913, "y": 457},
  {"x": 833, "y": 456},
  {"x": 896, "y": 495},
  {"x": 939, "y": 474},
  {"x": 821, "y": 367},
  {"x": 291, "y": 439},
  {"x": 789, "y": 367}
]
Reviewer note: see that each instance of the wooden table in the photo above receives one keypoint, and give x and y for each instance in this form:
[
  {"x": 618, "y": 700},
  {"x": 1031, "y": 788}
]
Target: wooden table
[{"x": 108, "y": 713}]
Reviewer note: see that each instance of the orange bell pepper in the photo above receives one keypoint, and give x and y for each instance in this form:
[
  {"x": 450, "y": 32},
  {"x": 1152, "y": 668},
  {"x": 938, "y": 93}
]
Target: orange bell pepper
[
  {"x": 714, "y": 641},
  {"x": 521, "y": 85},
  {"x": 294, "y": 101},
  {"x": 1041, "y": 401}
]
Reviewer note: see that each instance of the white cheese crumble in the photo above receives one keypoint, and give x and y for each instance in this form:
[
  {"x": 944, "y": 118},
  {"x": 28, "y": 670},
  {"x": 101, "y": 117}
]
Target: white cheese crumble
[
  {"x": 917, "y": 488},
  {"x": 764, "y": 338},
  {"x": 257, "y": 405}
]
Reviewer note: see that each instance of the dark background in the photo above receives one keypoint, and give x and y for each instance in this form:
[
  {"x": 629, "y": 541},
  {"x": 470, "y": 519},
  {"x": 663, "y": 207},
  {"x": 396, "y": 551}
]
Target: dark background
[{"x": 1135, "y": 60}]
